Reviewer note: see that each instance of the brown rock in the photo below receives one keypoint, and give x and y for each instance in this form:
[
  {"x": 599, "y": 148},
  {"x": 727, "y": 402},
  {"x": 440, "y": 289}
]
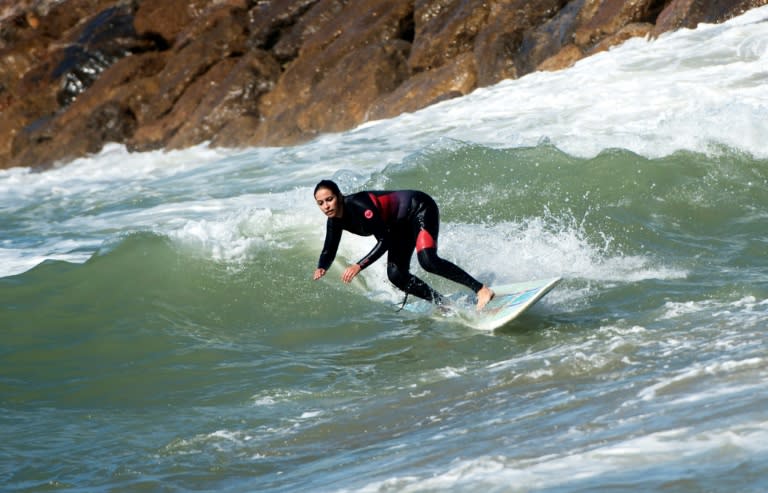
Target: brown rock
[
  {"x": 92, "y": 47},
  {"x": 342, "y": 98},
  {"x": 62, "y": 16},
  {"x": 118, "y": 83},
  {"x": 159, "y": 132},
  {"x": 12, "y": 121},
  {"x": 454, "y": 79},
  {"x": 275, "y": 23},
  {"x": 104, "y": 113},
  {"x": 88, "y": 40},
  {"x": 689, "y": 13},
  {"x": 198, "y": 51},
  {"x": 221, "y": 16},
  {"x": 445, "y": 29},
  {"x": 339, "y": 72},
  {"x": 35, "y": 90},
  {"x": 288, "y": 40},
  {"x": 32, "y": 19},
  {"x": 236, "y": 132},
  {"x": 513, "y": 37},
  {"x": 606, "y": 17},
  {"x": 17, "y": 24},
  {"x": 632, "y": 30},
  {"x": 168, "y": 18},
  {"x": 565, "y": 58},
  {"x": 130, "y": 81},
  {"x": 14, "y": 63},
  {"x": 226, "y": 97},
  {"x": 357, "y": 80},
  {"x": 107, "y": 123}
]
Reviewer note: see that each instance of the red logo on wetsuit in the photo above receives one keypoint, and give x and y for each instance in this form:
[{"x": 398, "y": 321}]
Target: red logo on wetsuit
[{"x": 368, "y": 213}]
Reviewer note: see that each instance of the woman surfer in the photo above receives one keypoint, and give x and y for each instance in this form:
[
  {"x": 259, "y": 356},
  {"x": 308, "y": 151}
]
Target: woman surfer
[{"x": 401, "y": 221}]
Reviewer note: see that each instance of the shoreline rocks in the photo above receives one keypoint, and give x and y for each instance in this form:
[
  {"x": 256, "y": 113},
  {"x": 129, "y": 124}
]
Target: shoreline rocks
[{"x": 77, "y": 74}]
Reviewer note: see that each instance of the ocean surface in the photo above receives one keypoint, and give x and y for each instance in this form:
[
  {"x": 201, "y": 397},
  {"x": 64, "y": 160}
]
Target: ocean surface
[{"x": 160, "y": 331}]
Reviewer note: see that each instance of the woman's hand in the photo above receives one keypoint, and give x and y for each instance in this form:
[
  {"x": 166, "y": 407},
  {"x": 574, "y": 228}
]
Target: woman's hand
[
  {"x": 350, "y": 272},
  {"x": 319, "y": 273}
]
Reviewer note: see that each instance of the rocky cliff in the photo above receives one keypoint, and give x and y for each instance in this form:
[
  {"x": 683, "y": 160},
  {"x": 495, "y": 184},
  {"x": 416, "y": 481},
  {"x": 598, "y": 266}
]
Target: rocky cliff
[{"x": 76, "y": 74}]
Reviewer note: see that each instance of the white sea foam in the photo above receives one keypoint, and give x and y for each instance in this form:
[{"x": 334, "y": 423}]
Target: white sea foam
[
  {"x": 692, "y": 450},
  {"x": 714, "y": 373},
  {"x": 16, "y": 260}
]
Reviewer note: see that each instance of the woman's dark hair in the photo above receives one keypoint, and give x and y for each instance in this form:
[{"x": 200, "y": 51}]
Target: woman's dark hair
[{"x": 330, "y": 185}]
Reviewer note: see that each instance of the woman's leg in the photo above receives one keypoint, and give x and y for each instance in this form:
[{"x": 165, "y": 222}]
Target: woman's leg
[
  {"x": 398, "y": 268},
  {"x": 426, "y": 226}
]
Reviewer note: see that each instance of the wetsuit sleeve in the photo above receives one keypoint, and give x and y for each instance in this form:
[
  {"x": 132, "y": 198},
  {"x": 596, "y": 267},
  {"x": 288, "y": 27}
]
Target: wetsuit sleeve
[
  {"x": 332, "y": 238},
  {"x": 375, "y": 254}
]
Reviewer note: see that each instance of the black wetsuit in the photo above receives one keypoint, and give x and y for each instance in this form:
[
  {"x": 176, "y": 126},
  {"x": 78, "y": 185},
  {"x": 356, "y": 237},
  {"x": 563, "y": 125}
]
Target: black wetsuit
[{"x": 402, "y": 221}]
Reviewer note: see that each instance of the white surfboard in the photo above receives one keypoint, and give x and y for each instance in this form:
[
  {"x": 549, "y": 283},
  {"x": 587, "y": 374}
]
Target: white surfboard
[{"x": 510, "y": 301}]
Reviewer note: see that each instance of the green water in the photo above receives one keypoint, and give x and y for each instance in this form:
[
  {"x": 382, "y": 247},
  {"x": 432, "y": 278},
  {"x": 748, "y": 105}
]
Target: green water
[{"x": 161, "y": 363}]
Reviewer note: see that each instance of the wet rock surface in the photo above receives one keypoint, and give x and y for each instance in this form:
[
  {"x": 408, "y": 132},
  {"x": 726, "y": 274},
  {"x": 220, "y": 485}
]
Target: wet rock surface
[{"x": 77, "y": 74}]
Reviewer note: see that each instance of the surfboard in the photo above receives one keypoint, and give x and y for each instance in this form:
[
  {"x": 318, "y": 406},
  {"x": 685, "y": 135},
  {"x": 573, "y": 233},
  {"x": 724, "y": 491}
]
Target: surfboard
[{"x": 511, "y": 301}]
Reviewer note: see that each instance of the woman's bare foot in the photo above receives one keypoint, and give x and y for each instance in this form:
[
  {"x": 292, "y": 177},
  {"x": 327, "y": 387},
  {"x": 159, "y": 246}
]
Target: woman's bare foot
[{"x": 484, "y": 296}]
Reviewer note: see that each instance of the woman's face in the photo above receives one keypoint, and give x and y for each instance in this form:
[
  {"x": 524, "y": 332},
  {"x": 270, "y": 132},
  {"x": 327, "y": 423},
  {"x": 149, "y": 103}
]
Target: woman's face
[{"x": 328, "y": 203}]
